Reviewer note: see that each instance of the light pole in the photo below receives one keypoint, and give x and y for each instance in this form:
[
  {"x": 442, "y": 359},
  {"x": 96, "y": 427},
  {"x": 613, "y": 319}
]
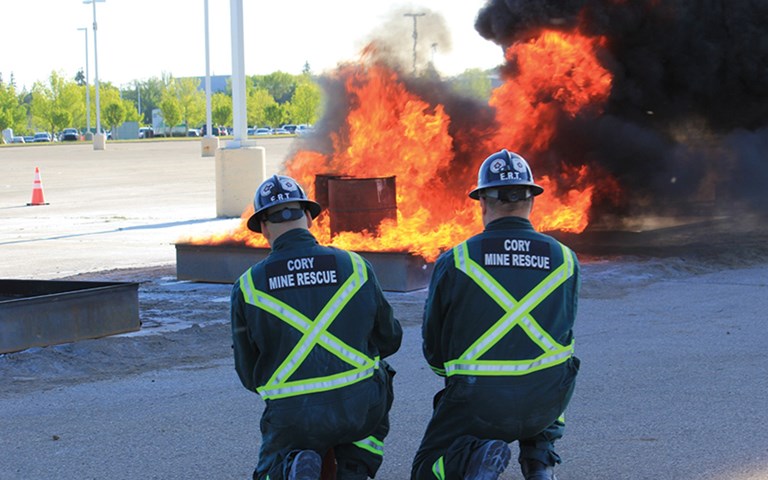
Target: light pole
[
  {"x": 88, "y": 134},
  {"x": 210, "y": 143},
  {"x": 99, "y": 138},
  {"x": 239, "y": 118}
]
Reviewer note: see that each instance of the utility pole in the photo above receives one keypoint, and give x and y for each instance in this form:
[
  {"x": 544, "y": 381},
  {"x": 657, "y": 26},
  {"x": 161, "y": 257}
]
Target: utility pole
[{"x": 415, "y": 36}]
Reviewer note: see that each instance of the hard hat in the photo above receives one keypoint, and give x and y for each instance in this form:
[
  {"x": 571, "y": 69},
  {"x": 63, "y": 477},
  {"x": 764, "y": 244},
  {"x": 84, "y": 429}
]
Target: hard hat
[
  {"x": 277, "y": 190},
  {"x": 505, "y": 169}
]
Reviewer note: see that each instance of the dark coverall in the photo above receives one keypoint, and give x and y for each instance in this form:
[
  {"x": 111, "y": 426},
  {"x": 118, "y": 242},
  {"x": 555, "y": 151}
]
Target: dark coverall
[
  {"x": 498, "y": 326},
  {"x": 310, "y": 328}
]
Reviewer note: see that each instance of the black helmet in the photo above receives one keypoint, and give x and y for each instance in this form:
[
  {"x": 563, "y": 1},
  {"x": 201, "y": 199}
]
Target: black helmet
[
  {"x": 505, "y": 169},
  {"x": 277, "y": 190}
]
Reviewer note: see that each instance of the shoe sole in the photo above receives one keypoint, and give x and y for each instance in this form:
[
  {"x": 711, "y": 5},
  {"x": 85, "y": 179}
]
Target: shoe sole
[
  {"x": 495, "y": 460},
  {"x": 306, "y": 466}
]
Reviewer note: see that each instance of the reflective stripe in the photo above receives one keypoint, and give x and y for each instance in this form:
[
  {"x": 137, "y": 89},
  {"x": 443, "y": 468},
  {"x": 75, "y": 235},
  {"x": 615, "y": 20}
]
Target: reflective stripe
[
  {"x": 371, "y": 444},
  {"x": 517, "y": 313},
  {"x": 438, "y": 468},
  {"x": 314, "y": 333}
]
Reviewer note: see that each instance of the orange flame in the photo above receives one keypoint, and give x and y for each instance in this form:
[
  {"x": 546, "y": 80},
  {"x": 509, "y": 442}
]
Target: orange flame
[{"x": 392, "y": 131}]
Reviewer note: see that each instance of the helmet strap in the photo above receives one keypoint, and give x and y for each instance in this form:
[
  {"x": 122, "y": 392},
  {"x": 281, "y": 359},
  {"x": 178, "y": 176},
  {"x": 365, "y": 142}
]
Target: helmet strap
[
  {"x": 507, "y": 195},
  {"x": 285, "y": 215}
]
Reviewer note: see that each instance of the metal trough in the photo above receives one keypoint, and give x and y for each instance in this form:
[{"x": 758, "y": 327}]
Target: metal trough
[
  {"x": 396, "y": 271},
  {"x": 36, "y": 313}
]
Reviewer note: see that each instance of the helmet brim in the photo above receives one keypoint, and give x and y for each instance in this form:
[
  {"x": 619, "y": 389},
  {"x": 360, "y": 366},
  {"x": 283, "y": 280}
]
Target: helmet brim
[{"x": 535, "y": 189}]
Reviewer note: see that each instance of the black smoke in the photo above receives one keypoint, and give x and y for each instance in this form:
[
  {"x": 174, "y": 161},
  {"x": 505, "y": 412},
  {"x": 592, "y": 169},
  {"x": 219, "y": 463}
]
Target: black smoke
[{"x": 687, "y": 120}]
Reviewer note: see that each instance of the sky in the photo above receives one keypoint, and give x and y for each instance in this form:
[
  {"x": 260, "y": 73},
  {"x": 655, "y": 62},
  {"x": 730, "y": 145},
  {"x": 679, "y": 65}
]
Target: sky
[{"x": 140, "y": 39}]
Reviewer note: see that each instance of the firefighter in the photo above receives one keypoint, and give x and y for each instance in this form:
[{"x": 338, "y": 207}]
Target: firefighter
[
  {"x": 498, "y": 327},
  {"x": 310, "y": 330}
]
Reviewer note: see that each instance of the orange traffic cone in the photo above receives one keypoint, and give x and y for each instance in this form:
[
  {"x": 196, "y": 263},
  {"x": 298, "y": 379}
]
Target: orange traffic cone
[{"x": 37, "y": 190}]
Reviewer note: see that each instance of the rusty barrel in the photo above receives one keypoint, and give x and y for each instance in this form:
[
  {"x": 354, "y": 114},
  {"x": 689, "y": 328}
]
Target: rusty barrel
[
  {"x": 357, "y": 204},
  {"x": 321, "y": 188}
]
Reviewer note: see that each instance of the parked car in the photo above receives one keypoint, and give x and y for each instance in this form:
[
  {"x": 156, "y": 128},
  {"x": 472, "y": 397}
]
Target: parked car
[
  {"x": 290, "y": 127},
  {"x": 29, "y": 138},
  {"x": 18, "y": 139},
  {"x": 146, "y": 132},
  {"x": 69, "y": 135},
  {"x": 262, "y": 131},
  {"x": 280, "y": 131},
  {"x": 193, "y": 132},
  {"x": 43, "y": 137},
  {"x": 304, "y": 129},
  {"x": 217, "y": 131}
]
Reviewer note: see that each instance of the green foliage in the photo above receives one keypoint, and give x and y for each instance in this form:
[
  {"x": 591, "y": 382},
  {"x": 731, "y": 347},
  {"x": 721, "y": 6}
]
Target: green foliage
[
  {"x": 474, "y": 83},
  {"x": 114, "y": 114},
  {"x": 54, "y": 105},
  {"x": 256, "y": 105},
  {"x": 272, "y": 100},
  {"x": 171, "y": 110},
  {"x": 280, "y": 85},
  {"x": 12, "y": 112},
  {"x": 275, "y": 115},
  {"x": 151, "y": 95},
  {"x": 221, "y": 109},
  {"x": 131, "y": 114},
  {"x": 80, "y": 78},
  {"x": 191, "y": 101},
  {"x": 306, "y": 103}
]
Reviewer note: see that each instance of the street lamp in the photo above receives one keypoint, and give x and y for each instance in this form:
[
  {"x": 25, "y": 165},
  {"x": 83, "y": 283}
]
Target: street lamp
[
  {"x": 87, "y": 89},
  {"x": 98, "y": 139}
]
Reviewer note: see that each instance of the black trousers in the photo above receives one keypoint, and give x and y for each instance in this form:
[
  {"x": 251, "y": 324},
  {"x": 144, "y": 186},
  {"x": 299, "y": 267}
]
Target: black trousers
[
  {"x": 329, "y": 420},
  {"x": 528, "y": 409}
]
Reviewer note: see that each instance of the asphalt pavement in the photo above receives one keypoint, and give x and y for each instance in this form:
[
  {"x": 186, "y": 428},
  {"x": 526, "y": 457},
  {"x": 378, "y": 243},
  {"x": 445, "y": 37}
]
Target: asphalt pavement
[{"x": 672, "y": 382}]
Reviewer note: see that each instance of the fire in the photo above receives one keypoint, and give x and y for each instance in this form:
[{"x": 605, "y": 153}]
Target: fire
[{"x": 390, "y": 130}]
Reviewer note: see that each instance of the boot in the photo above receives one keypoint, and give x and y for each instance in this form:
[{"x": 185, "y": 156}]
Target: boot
[
  {"x": 535, "y": 470},
  {"x": 488, "y": 461},
  {"x": 305, "y": 466}
]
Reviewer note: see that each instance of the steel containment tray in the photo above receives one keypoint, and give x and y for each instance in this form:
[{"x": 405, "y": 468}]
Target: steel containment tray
[
  {"x": 36, "y": 313},
  {"x": 396, "y": 271}
]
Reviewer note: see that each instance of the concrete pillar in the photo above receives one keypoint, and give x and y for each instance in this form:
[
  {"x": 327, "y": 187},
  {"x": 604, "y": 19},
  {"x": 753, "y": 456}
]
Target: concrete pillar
[
  {"x": 239, "y": 172},
  {"x": 209, "y": 145},
  {"x": 99, "y": 141}
]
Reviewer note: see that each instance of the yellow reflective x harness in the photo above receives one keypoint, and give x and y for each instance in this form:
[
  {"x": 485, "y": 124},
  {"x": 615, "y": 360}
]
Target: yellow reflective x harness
[
  {"x": 314, "y": 333},
  {"x": 517, "y": 313}
]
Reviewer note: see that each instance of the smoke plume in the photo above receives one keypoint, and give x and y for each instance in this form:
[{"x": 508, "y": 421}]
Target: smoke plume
[{"x": 686, "y": 123}]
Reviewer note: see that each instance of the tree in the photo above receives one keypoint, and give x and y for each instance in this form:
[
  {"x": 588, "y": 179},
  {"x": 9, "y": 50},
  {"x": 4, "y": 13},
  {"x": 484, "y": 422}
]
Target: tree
[
  {"x": 169, "y": 106},
  {"x": 112, "y": 107},
  {"x": 256, "y": 104},
  {"x": 280, "y": 85},
  {"x": 474, "y": 83},
  {"x": 191, "y": 101},
  {"x": 80, "y": 77},
  {"x": 55, "y": 103},
  {"x": 151, "y": 91},
  {"x": 221, "y": 109},
  {"x": 12, "y": 112},
  {"x": 305, "y": 104},
  {"x": 275, "y": 114},
  {"x": 114, "y": 114}
]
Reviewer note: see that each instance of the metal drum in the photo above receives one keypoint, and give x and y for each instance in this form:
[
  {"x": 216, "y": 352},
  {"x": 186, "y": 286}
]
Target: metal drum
[
  {"x": 321, "y": 188},
  {"x": 357, "y": 204}
]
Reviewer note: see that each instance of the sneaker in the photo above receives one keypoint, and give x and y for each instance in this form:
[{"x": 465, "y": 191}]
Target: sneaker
[
  {"x": 488, "y": 461},
  {"x": 535, "y": 470},
  {"x": 306, "y": 466}
]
